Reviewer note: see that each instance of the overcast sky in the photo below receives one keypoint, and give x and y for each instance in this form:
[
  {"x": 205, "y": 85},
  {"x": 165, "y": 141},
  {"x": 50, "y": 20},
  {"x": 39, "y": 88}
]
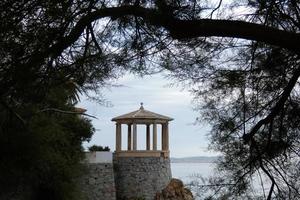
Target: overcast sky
[{"x": 186, "y": 139}]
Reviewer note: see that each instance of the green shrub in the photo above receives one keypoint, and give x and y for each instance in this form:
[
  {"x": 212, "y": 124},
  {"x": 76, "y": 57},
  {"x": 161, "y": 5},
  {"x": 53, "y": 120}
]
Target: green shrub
[{"x": 98, "y": 148}]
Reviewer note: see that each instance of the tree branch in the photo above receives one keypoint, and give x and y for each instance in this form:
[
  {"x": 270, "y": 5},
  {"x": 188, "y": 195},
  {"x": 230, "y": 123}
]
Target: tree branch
[
  {"x": 183, "y": 29},
  {"x": 66, "y": 112},
  {"x": 277, "y": 108},
  {"x": 216, "y": 8},
  {"x": 13, "y": 112},
  {"x": 271, "y": 191},
  {"x": 94, "y": 38}
]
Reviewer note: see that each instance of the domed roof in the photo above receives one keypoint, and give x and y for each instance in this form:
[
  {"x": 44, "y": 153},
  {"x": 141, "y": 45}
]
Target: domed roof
[{"x": 142, "y": 114}]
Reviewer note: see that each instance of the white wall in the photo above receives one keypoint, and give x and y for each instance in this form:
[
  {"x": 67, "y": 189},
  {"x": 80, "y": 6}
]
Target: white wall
[{"x": 98, "y": 157}]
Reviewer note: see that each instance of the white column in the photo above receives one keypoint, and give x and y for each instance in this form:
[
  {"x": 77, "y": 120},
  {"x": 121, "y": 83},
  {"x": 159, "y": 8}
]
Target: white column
[
  {"x": 163, "y": 136},
  {"x": 134, "y": 137},
  {"x": 129, "y": 145},
  {"x": 167, "y": 136},
  {"x": 154, "y": 137},
  {"x": 118, "y": 137},
  {"x": 148, "y": 137}
]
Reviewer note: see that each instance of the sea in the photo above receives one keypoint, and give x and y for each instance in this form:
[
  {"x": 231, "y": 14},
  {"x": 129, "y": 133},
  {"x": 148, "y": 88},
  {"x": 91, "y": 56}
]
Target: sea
[
  {"x": 188, "y": 171},
  {"x": 190, "y": 174},
  {"x": 193, "y": 173}
]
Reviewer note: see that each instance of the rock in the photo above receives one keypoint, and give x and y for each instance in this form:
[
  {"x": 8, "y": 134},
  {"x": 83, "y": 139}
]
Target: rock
[{"x": 175, "y": 190}]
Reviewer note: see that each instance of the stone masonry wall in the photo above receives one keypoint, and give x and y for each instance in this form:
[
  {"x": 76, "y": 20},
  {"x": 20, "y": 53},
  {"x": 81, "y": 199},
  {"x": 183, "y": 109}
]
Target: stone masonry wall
[
  {"x": 98, "y": 182},
  {"x": 141, "y": 177}
]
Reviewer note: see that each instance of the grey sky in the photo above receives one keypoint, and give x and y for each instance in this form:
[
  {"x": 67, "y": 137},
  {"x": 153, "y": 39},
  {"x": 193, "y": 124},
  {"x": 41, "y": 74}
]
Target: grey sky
[{"x": 186, "y": 139}]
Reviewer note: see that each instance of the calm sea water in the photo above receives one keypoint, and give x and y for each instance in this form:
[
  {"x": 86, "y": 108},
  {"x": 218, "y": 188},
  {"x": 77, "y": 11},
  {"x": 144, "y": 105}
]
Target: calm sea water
[{"x": 187, "y": 171}]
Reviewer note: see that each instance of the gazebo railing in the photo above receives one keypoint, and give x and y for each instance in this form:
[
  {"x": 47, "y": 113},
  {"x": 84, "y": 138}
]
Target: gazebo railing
[{"x": 143, "y": 153}]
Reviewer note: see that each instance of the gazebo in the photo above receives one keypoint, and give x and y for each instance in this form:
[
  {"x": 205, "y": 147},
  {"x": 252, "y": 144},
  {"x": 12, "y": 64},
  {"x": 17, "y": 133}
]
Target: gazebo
[{"x": 149, "y": 119}]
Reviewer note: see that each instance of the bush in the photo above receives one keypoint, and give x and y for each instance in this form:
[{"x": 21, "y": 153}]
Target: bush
[{"x": 98, "y": 148}]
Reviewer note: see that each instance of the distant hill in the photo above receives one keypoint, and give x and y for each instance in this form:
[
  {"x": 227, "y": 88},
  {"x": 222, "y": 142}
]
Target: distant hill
[{"x": 196, "y": 159}]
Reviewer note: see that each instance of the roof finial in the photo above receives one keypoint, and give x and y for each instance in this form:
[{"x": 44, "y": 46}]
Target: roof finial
[{"x": 142, "y": 107}]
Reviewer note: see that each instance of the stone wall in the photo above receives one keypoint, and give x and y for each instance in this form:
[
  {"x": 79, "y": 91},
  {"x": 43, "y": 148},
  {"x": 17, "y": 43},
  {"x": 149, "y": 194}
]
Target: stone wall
[
  {"x": 98, "y": 182},
  {"x": 141, "y": 177}
]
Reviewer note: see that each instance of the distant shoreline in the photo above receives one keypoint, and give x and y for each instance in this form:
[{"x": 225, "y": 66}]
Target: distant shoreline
[{"x": 196, "y": 159}]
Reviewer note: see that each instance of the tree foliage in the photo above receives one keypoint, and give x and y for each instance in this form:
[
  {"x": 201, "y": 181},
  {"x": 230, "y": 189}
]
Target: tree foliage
[
  {"x": 98, "y": 148},
  {"x": 240, "y": 58},
  {"x": 41, "y": 150},
  {"x": 251, "y": 102}
]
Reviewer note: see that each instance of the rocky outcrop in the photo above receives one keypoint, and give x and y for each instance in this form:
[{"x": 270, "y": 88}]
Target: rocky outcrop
[{"x": 175, "y": 190}]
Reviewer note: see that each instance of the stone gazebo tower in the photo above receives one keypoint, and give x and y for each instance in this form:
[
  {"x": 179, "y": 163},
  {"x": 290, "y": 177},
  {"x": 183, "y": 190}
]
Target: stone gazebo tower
[{"x": 141, "y": 173}]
